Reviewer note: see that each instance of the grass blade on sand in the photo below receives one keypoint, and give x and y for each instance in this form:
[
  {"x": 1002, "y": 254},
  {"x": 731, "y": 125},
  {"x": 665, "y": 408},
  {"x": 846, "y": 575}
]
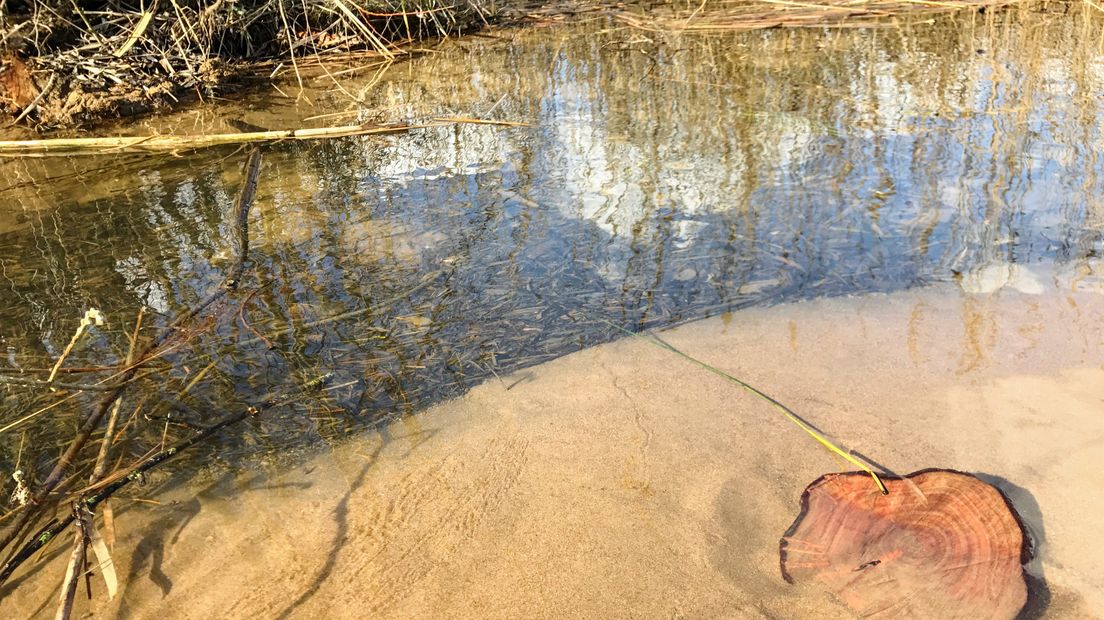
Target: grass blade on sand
[{"x": 790, "y": 415}]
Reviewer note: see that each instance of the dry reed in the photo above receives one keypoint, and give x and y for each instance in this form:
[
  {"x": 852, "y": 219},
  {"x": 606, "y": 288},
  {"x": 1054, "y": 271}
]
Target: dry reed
[
  {"x": 63, "y": 62},
  {"x": 742, "y": 15},
  {"x": 99, "y": 146}
]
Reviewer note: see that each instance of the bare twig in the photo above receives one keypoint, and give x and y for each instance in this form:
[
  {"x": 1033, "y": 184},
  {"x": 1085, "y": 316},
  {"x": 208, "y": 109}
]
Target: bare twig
[
  {"x": 91, "y": 317},
  {"x": 252, "y": 330},
  {"x": 105, "y": 445},
  {"x": 60, "y": 385},
  {"x": 76, "y": 565},
  {"x": 92, "y": 421},
  {"x": 44, "y": 536}
]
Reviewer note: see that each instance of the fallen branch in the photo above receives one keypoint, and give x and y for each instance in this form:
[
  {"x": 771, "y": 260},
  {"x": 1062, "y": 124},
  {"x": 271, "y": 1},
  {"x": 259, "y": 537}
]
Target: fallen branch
[
  {"x": 97, "y": 146},
  {"x": 77, "y": 565},
  {"x": 89, "y": 535},
  {"x": 92, "y": 421},
  {"x": 136, "y": 473}
]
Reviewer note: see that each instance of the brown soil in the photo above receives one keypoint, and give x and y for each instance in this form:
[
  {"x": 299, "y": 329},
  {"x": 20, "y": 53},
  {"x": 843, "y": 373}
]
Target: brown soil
[
  {"x": 17, "y": 87},
  {"x": 72, "y": 105}
]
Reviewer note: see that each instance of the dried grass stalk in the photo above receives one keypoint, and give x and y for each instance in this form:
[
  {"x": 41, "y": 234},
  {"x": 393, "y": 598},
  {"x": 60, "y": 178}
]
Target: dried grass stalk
[
  {"x": 95, "y": 146},
  {"x": 740, "y": 15}
]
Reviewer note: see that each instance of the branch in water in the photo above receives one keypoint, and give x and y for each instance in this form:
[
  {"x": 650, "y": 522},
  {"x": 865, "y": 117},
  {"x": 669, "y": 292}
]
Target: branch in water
[
  {"x": 45, "y": 536},
  {"x": 92, "y": 421}
]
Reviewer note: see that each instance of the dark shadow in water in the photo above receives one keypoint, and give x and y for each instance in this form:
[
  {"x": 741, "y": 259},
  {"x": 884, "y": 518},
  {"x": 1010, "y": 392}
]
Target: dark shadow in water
[
  {"x": 193, "y": 507},
  {"x": 341, "y": 516},
  {"x": 50, "y": 595},
  {"x": 48, "y": 556},
  {"x": 28, "y": 574},
  {"x": 149, "y": 552},
  {"x": 1031, "y": 518},
  {"x": 50, "y": 598}
]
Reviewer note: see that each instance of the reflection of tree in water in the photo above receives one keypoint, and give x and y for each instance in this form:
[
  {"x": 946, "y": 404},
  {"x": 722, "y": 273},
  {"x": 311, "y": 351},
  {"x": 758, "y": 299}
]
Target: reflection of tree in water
[{"x": 663, "y": 181}]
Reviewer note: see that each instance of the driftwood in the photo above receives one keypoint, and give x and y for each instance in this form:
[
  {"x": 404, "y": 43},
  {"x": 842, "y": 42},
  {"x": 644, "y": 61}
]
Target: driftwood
[{"x": 941, "y": 544}]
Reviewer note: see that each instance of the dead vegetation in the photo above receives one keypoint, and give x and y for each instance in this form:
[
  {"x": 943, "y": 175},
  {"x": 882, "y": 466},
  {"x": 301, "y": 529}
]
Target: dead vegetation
[
  {"x": 742, "y": 15},
  {"x": 153, "y": 143},
  {"x": 65, "y": 63},
  {"x": 39, "y": 515}
]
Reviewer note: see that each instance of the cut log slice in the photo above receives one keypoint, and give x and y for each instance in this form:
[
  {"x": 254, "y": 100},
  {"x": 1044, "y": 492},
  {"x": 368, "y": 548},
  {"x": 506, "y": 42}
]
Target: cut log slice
[{"x": 941, "y": 544}]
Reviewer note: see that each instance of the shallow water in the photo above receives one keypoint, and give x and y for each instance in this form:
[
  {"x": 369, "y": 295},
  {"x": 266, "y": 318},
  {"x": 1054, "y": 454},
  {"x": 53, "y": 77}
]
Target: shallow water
[
  {"x": 662, "y": 179},
  {"x": 622, "y": 481}
]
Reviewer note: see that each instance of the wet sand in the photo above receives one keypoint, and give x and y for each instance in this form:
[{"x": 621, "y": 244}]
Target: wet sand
[{"x": 624, "y": 482}]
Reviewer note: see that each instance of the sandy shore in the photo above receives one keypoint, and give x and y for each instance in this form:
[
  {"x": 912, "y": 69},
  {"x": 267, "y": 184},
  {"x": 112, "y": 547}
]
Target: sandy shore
[{"x": 623, "y": 482}]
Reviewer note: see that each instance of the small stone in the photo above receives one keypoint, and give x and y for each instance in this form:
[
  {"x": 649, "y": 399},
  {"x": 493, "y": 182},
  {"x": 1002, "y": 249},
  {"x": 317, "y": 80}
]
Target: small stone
[{"x": 687, "y": 274}]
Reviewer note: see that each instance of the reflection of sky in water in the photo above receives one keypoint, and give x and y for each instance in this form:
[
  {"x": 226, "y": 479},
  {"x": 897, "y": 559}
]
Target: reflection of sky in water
[
  {"x": 874, "y": 164},
  {"x": 911, "y": 164},
  {"x": 655, "y": 185}
]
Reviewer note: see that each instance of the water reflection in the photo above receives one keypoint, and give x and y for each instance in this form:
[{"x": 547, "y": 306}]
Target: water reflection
[{"x": 663, "y": 179}]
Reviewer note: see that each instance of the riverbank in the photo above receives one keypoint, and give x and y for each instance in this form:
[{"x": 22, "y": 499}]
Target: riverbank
[
  {"x": 66, "y": 64},
  {"x": 621, "y": 481},
  {"x": 76, "y": 64}
]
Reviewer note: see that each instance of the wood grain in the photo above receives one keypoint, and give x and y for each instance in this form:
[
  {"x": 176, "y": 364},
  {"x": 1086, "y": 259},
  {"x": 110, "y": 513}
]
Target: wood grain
[{"x": 941, "y": 544}]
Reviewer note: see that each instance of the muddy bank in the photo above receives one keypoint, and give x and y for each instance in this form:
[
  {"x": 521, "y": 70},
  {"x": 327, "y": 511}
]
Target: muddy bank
[
  {"x": 65, "y": 64},
  {"x": 620, "y": 482}
]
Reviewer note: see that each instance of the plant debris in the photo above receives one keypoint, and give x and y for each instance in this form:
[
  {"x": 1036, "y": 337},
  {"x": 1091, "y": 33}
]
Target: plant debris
[{"x": 67, "y": 63}]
